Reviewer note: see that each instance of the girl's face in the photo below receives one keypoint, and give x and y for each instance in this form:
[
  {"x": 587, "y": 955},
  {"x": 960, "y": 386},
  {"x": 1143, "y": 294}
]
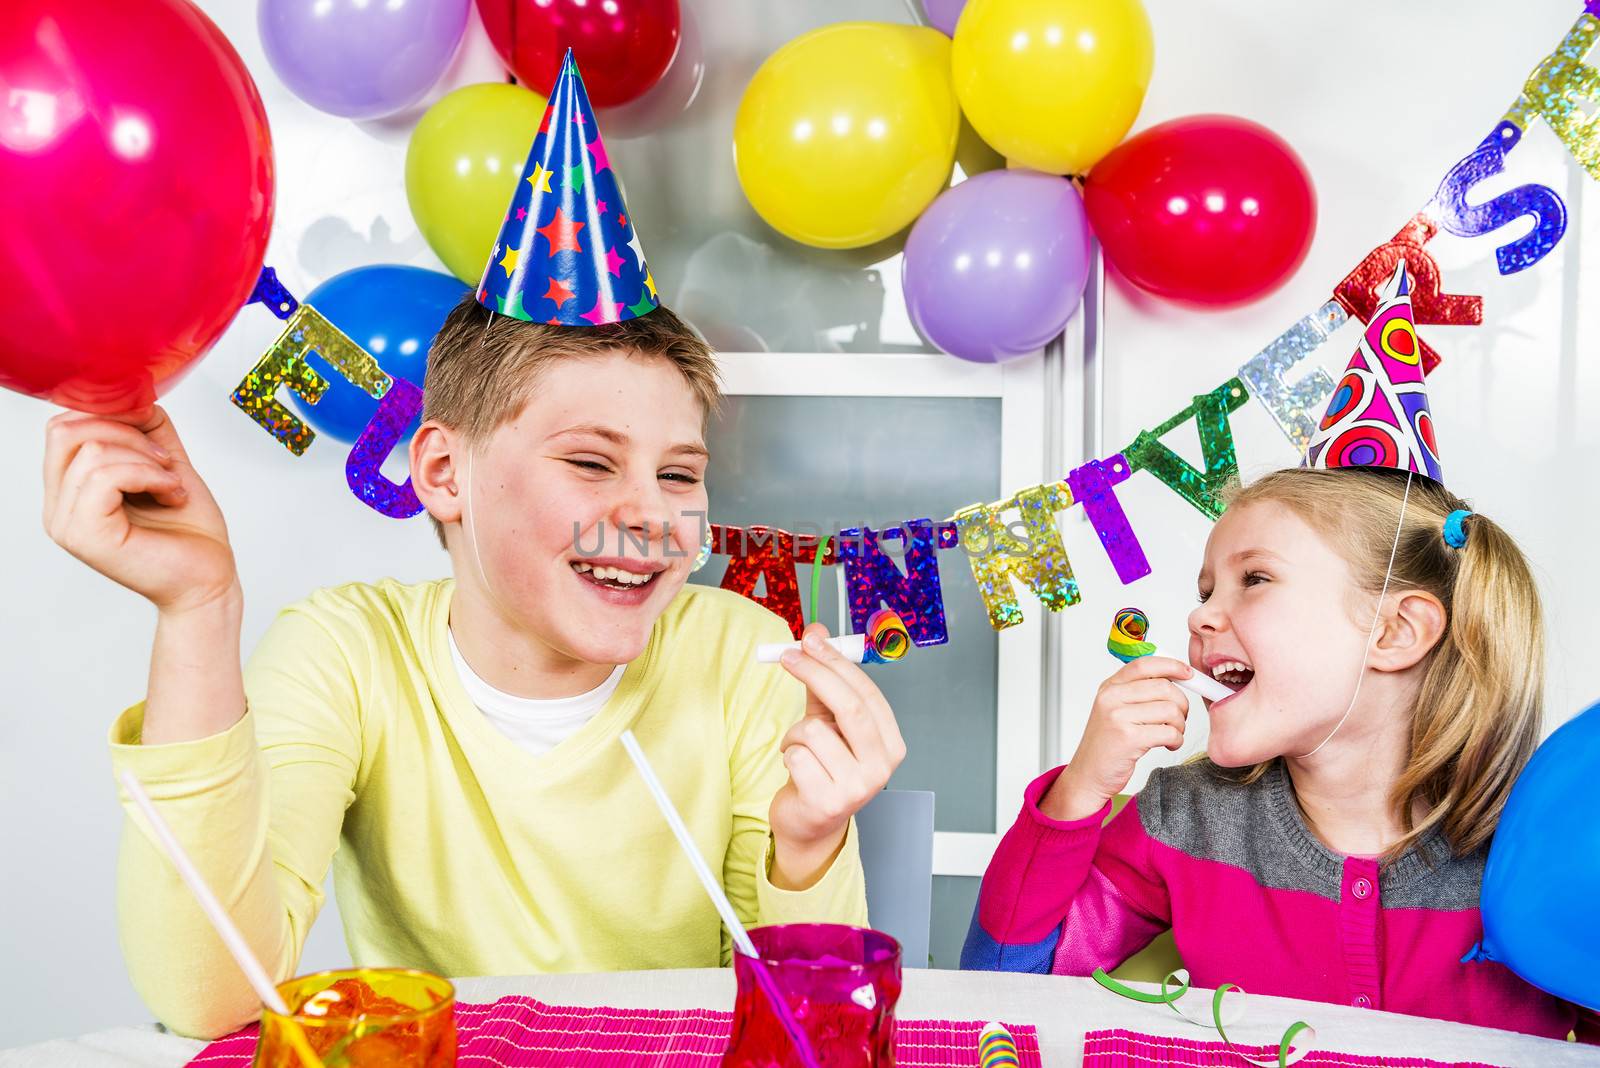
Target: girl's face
[
  {"x": 1278, "y": 621},
  {"x": 585, "y": 505}
]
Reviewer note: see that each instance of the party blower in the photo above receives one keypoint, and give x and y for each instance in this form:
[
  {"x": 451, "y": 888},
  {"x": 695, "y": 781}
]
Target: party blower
[
  {"x": 885, "y": 640},
  {"x": 1127, "y": 642}
]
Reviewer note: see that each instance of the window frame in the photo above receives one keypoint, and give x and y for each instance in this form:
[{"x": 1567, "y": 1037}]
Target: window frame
[{"x": 1032, "y": 392}]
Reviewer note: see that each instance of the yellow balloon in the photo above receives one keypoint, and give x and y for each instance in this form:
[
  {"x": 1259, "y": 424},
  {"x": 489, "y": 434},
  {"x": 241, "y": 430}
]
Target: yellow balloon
[
  {"x": 462, "y": 166},
  {"x": 846, "y": 133},
  {"x": 1052, "y": 84}
]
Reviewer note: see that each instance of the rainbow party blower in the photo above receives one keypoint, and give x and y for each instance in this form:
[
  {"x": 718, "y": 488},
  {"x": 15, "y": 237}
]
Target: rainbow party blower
[
  {"x": 997, "y": 1049},
  {"x": 885, "y": 641},
  {"x": 1128, "y": 628}
]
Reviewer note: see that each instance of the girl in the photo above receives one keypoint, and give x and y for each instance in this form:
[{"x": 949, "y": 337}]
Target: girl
[{"x": 1328, "y": 847}]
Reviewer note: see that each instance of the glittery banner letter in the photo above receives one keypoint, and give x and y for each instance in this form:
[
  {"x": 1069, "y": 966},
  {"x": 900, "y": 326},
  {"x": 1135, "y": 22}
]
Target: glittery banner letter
[
  {"x": 1359, "y": 292},
  {"x": 1297, "y": 408},
  {"x": 872, "y": 579},
  {"x": 1210, "y": 413},
  {"x": 1555, "y": 87},
  {"x": 997, "y": 556},
  {"x": 382, "y": 433},
  {"x": 272, "y": 294},
  {"x": 1091, "y": 486},
  {"x": 763, "y": 553},
  {"x": 284, "y": 364},
  {"x": 1470, "y": 220}
]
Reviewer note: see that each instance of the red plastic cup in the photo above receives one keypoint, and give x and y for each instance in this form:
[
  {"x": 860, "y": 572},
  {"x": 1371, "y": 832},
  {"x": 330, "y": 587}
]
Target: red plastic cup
[{"x": 840, "y": 984}]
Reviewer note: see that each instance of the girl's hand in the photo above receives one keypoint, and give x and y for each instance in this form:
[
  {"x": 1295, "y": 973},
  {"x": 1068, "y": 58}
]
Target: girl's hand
[
  {"x": 121, "y": 495},
  {"x": 839, "y": 756},
  {"x": 1136, "y": 710}
]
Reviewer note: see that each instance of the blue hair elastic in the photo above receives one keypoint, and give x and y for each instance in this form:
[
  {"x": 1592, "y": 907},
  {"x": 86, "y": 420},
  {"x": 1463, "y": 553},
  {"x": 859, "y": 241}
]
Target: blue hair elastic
[{"x": 1455, "y": 528}]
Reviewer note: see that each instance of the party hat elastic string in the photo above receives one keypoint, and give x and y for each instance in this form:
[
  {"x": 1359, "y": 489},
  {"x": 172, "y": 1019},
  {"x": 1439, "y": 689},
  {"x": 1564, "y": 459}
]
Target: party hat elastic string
[{"x": 1377, "y": 614}]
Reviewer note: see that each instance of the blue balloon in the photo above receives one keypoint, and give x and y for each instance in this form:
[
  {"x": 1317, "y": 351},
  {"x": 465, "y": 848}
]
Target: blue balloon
[
  {"x": 1541, "y": 885},
  {"x": 391, "y": 311}
]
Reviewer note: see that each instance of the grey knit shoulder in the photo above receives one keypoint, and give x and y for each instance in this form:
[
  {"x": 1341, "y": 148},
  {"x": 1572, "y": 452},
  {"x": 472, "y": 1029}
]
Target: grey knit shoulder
[{"x": 1206, "y": 812}]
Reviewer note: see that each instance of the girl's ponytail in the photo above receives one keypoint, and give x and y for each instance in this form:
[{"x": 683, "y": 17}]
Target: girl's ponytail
[{"x": 1479, "y": 706}]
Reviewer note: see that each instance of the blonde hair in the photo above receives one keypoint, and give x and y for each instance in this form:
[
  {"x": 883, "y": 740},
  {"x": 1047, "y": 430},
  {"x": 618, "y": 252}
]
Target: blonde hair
[
  {"x": 483, "y": 367},
  {"x": 1478, "y": 710}
]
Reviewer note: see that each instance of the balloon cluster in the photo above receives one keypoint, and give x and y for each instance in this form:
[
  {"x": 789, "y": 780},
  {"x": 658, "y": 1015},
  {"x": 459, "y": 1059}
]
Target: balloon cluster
[
  {"x": 848, "y": 134},
  {"x": 639, "y": 57},
  {"x": 845, "y": 137},
  {"x": 132, "y": 258}
]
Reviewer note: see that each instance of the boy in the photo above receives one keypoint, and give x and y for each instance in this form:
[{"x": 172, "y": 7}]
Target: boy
[{"x": 456, "y": 741}]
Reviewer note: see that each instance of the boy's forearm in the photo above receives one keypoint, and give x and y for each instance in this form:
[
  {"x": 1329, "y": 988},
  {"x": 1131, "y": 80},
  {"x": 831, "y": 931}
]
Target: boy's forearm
[
  {"x": 798, "y": 867},
  {"x": 196, "y": 684}
]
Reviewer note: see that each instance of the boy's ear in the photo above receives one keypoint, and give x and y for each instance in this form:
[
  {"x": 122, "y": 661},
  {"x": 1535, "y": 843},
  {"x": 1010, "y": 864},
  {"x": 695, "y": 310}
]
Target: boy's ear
[
  {"x": 437, "y": 476},
  {"x": 1409, "y": 632}
]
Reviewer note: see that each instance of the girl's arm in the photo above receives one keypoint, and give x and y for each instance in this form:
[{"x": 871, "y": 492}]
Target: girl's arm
[
  {"x": 1061, "y": 893},
  {"x": 1588, "y": 1026},
  {"x": 1067, "y": 896}
]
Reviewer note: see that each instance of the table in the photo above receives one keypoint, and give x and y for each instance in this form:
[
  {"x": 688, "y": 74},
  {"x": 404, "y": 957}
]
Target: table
[{"x": 1061, "y": 1007}]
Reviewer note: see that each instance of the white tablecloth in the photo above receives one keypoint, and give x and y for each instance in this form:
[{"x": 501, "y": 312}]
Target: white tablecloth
[{"x": 1061, "y": 1008}]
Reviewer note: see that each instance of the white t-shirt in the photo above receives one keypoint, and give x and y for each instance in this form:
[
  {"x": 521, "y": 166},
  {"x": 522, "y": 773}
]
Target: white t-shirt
[{"x": 537, "y": 726}]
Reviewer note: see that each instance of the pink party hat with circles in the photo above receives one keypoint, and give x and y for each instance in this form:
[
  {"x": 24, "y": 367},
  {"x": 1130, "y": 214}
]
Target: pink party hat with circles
[{"x": 1379, "y": 415}]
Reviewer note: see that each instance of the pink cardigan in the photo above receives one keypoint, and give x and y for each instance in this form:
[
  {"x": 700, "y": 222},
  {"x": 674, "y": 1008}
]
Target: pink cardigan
[{"x": 1253, "y": 898}]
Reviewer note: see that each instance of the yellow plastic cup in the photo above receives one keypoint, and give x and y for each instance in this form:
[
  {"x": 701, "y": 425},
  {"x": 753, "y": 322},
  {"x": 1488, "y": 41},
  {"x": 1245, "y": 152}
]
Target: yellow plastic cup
[{"x": 362, "y": 1018}]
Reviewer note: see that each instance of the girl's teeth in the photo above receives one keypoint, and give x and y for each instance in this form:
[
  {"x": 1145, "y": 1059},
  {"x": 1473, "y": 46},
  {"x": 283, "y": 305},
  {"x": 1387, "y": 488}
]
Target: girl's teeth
[{"x": 1227, "y": 667}]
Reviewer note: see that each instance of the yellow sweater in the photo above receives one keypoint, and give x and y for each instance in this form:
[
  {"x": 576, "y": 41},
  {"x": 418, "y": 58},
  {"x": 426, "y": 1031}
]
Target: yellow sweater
[{"x": 452, "y": 848}]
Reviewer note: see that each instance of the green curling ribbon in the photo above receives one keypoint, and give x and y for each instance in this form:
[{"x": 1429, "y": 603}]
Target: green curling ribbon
[
  {"x": 816, "y": 577},
  {"x": 1170, "y": 994}
]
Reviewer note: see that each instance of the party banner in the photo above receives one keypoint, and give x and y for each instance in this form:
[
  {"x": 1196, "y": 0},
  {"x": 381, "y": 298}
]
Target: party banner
[{"x": 1563, "y": 92}]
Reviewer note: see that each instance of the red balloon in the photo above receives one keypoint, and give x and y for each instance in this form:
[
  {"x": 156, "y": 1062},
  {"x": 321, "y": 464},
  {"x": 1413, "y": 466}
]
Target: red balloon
[
  {"x": 623, "y": 47},
  {"x": 135, "y": 196},
  {"x": 1211, "y": 210}
]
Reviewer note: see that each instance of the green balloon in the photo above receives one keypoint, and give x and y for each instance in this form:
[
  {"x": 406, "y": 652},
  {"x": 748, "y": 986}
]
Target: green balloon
[{"x": 462, "y": 167}]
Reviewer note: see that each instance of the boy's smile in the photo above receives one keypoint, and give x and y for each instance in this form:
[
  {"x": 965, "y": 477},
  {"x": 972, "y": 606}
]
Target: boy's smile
[{"x": 619, "y": 580}]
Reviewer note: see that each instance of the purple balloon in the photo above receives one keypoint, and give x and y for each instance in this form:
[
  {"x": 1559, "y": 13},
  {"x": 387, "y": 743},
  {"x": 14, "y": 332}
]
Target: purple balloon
[
  {"x": 943, "y": 14},
  {"x": 361, "y": 59},
  {"x": 996, "y": 266}
]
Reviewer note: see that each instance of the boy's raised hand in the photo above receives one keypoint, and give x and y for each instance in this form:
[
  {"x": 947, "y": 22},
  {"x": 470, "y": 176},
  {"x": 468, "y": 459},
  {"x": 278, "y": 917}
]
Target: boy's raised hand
[
  {"x": 121, "y": 495},
  {"x": 1136, "y": 710},
  {"x": 839, "y": 756}
]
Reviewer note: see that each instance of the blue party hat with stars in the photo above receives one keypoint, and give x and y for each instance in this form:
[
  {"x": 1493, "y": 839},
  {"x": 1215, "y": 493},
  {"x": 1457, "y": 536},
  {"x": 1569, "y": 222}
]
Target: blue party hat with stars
[{"x": 568, "y": 252}]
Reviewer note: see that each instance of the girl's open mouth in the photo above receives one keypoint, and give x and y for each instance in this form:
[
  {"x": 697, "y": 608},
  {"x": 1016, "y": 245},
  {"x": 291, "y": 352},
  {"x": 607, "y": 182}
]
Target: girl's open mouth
[{"x": 1234, "y": 674}]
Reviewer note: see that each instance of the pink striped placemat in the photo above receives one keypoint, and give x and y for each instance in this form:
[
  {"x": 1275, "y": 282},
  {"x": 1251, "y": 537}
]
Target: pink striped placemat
[
  {"x": 1130, "y": 1049},
  {"x": 520, "y": 1032}
]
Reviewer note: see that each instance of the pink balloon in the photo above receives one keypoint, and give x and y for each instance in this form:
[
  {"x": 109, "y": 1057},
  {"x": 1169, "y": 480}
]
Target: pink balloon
[{"x": 135, "y": 196}]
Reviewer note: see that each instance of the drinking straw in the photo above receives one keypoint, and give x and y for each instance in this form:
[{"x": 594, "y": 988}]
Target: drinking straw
[
  {"x": 713, "y": 889},
  {"x": 219, "y": 918}
]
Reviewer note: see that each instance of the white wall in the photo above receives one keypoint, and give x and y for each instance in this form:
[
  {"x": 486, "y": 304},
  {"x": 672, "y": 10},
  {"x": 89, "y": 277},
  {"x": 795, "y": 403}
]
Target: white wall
[{"x": 1379, "y": 104}]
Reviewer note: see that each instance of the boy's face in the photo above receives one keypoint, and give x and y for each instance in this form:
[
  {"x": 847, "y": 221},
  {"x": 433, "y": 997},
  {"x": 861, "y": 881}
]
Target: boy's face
[
  {"x": 1276, "y": 599},
  {"x": 580, "y": 505}
]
